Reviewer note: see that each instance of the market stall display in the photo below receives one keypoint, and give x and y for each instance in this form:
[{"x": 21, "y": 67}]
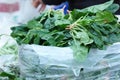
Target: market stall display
[
  {"x": 69, "y": 45},
  {"x": 81, "y": 45}
]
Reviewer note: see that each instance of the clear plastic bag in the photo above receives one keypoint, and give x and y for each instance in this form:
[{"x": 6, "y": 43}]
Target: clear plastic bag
[
  {"x": 55, "y": 63},
  {"x": 8, "y": 67},
  {"x": 8, "y": 59},
  {"x": 27, "y": 11}
]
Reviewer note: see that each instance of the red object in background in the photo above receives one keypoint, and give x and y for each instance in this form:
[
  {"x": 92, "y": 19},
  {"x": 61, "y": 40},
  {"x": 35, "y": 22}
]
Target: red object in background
[{"x": 5, "y": 7}]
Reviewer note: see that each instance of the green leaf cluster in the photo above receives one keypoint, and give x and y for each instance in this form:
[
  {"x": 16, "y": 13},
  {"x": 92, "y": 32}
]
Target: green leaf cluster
[{"x": 92, "y": 27}]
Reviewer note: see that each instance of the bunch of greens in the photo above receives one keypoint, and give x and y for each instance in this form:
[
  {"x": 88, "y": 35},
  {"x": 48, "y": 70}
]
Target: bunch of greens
[
  {"x": 92, "y": 27},
  {"x": 9, "y": 45}
]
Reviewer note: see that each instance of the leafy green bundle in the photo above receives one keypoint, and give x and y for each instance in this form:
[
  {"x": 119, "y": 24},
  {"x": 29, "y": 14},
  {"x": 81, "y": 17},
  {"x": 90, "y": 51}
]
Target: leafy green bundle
[{"x": 92, "y": 27}]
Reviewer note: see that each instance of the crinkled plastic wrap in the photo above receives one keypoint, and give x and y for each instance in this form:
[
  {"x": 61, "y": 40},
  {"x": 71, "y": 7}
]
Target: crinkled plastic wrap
[
  {"x": 55, "y": 63},
  {"x": 8, "y": 66}
]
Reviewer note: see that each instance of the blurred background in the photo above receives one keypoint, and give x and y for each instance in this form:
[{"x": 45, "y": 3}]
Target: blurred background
[{"x": 15, "y": 12}]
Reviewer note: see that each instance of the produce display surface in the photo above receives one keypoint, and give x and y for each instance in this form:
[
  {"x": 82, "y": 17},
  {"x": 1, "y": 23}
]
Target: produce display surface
[{"x": 85, "y": 38}]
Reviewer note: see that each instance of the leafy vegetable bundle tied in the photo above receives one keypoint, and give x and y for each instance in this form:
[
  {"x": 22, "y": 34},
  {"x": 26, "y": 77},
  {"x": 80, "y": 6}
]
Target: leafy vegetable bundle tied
[{"x": 92, "y": 27}]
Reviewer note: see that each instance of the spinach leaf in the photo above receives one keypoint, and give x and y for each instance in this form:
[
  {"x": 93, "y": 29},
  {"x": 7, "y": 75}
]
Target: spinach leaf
[{"x": 97, "y": 8}]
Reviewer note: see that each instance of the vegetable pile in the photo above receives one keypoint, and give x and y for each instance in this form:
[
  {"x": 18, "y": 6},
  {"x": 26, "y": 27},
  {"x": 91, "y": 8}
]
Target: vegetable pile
[{"x": 92, "y": 27}]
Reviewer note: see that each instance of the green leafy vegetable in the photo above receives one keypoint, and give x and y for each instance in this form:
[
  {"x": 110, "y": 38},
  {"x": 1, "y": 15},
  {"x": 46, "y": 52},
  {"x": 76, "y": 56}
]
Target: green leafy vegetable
[
  {"x": 101, "y": 7},
  {"x": 92, "y": 27}
]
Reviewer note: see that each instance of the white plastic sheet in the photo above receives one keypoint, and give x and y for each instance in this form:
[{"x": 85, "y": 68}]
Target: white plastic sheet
[{"x": 55, "y": 63}]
